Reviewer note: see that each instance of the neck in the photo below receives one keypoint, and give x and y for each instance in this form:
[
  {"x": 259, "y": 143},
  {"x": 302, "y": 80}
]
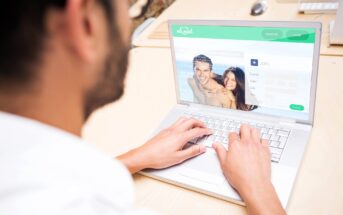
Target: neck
[
  {"x": 211, "y": 85},
  {"x": 60, "y": 110}
]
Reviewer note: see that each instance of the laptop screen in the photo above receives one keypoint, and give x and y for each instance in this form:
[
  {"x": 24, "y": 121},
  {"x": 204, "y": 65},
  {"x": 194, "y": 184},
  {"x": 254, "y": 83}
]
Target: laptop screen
[{"x": 261, "y": 69}]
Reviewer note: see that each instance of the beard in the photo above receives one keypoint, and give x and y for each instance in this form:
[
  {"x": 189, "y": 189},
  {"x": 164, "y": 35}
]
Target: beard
[{"x": 110, "y": 84}]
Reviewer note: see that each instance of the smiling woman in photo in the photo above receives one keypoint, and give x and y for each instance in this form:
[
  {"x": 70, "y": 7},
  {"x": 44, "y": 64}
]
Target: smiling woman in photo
[{"x": 234, "y": 81}]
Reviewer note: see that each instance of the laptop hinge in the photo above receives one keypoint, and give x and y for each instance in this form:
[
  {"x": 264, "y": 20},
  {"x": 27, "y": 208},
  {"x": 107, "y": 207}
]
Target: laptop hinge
[
  {"x": 287, "y": 121},
  {"x": 184, "y": 103}
]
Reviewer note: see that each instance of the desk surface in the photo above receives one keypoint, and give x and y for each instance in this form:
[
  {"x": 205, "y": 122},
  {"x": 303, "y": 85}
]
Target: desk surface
[
  {"x": 150, "y": 94},
  {"x": 156, "y": 35}
]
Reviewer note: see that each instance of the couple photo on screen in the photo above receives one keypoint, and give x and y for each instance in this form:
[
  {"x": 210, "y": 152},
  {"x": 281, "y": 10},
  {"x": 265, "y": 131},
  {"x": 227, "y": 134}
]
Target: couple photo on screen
[{"x": 223, "y": 90}]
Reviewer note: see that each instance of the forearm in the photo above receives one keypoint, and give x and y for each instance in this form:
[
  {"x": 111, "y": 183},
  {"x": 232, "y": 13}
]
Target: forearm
[
  {"x": 263, "y": 200},
  {"x": 133, "y": 161}
]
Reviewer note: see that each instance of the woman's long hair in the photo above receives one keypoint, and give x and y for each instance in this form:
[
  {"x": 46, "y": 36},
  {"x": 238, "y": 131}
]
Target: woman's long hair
[{"x": 239, "y": 91}]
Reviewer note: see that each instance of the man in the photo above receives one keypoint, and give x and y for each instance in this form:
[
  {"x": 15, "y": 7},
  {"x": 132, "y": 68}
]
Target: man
[
  {"x": 60, "y": 60},
  {"x": 205, "y": 89}
]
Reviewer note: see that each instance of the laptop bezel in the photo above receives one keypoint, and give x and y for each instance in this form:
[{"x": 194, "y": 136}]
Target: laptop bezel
[{"x": 282, "y": 24}]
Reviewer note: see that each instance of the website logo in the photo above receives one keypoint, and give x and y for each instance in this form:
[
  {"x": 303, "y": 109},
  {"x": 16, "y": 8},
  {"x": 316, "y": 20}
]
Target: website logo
[
  {"x": 185, "y": 30},
  {"x": 254, "y": 62}
]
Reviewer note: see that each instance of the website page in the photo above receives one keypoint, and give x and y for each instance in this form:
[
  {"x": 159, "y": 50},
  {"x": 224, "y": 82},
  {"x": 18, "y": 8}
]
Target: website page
[{"x": 261, "y": 69}]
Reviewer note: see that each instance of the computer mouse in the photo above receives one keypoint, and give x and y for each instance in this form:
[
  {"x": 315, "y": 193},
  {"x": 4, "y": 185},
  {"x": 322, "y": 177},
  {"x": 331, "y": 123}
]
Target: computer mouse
[{"x": 258, "y": 8}]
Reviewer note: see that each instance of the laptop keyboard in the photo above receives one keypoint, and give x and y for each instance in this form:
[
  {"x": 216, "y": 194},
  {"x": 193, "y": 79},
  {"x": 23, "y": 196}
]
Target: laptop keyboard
[{"x": 276, "y": 136}]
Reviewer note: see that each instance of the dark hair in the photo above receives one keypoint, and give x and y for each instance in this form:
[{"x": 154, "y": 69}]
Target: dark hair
[
  {"x": 239, "y": 91},
  {"x": 22, "y": 37},
  {"x": 202, "y": 58}
]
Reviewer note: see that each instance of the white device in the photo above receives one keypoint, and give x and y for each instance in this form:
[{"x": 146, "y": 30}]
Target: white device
[
  {"x": 275, "y": 65},
  {"x": 318, "y": 7},
  {"x": 336, "y": 27}
]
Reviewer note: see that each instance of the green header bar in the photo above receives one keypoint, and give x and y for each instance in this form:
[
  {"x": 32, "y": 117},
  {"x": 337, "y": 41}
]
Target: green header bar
[{"x": 290, "y": 35}]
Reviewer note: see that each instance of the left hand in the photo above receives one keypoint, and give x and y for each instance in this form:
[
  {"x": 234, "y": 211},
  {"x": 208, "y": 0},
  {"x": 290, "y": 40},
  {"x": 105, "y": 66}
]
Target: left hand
[{"x": 167, "y": 148}]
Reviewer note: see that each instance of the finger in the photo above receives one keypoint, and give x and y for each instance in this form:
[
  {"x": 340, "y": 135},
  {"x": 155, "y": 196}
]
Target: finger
[
  {"x": 189, "y": 124},
  {"x": 255, "y": 135},
  {"x": 233, "y": 136},
  {"x": 245, "y": 132},
  {"x": 194, "y": 133},
  {"x": 221, "y": 152},
  {"x": 191, "y": 152},
  {"x": 178, "y": 122},
  {"x": 265, "y": 143}
]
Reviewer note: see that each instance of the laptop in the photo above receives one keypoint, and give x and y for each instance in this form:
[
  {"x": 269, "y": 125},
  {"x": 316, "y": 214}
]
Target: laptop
[{"x": 266, "y": 73}]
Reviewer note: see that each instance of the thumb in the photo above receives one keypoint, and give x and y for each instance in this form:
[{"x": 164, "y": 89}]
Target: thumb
[
  {"x": 192, "y": 151},
  {"x": 221, "y": 152}
]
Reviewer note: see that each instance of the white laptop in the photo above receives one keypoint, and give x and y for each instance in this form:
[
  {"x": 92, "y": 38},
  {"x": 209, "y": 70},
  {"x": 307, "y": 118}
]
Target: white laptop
[{"x": 270, "y": 68}]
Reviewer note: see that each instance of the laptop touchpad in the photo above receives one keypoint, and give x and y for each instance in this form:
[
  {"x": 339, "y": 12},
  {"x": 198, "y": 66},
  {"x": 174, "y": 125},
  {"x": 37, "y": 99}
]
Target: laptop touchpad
[{"x": 205, "y": 168}]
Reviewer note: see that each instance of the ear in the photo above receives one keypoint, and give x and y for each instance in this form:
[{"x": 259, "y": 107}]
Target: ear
[{"x": 82, "y": 26}]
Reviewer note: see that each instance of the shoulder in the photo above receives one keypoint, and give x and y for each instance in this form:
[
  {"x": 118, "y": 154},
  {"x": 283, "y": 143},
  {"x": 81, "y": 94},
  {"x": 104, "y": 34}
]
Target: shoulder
[
  {"x": 191, "y": 81},
  {"x": 230, "y": 95},
  {"x": 46, "y": 170},
  {"x": 217, "y": 86},
  {"x": 56, "y": 175}
]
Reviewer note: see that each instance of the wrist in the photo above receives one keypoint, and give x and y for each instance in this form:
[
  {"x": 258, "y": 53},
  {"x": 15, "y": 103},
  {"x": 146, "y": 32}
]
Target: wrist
[
  {"x": 133, "y": 160},
  {"x": 262, "y": 200},
  {"x": 256, "y": 192}
]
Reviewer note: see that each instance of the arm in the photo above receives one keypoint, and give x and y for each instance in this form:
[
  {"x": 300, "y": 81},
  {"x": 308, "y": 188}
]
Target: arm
[
  {"x": 198, "y": 94},
  {"x": 247, "y": 167},
  {"x": 166, "y": 148},
  {"x": 226, "y": 98}
]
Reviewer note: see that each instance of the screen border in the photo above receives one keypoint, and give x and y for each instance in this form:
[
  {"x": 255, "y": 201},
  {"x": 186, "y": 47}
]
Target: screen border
[{"x": 243, "y": 23}]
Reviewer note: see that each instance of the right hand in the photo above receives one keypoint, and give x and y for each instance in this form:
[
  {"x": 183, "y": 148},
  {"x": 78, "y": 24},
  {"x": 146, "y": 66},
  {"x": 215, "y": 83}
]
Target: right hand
[
  {"x": 247, "y": 167},
  {"x": 247, "y": 162}
]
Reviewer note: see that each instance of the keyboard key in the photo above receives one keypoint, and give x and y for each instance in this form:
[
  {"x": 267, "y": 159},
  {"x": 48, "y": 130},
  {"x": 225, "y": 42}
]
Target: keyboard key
[
  {"x": 275, "y": 143},
  {"x": 264, "y": 130},
  {"x": 274, "y": 137},
  {"x": 211, "y": 138},
  {"x": 283, "y": 141},
  {"x": 222, "y": 127},
  {"x": 275, "y": 158},
  {"x": 266, "y": 136},
  {"x": 218, "y": 139},
  {"x": 272, "y": 131},
  {"x": 285, "y": 129},
  {"x": 276, "y": 151},
  {"x": 206, "y": 143},
  {"x": 231, "y": 129},
  {"x": 282, "y": 133}
]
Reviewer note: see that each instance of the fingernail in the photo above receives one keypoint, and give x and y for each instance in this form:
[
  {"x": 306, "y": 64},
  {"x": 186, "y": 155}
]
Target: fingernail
[{"x": 202, "y": 148}]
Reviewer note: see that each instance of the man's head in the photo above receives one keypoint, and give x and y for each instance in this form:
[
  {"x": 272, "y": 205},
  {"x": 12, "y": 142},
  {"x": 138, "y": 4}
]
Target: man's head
[
  {"x": 76, "y": 49},
  {"x": 202, "y": 67}
]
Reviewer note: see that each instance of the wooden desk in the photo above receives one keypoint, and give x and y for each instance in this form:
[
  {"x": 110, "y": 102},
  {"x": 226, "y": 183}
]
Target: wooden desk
[
  {"x": 150, "y": 94},
  {"x": 156, "y": 35}
]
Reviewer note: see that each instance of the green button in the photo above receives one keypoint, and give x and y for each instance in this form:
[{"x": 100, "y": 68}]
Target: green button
[
  {"x": 296, "y": 107},
  {"x": 297, "y": 35}
]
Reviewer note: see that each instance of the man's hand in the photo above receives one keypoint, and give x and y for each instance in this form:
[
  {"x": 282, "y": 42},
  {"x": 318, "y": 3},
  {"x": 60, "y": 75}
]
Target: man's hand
[
  {"x": 167, "y": 148},
  {"x": 247, "y": 167}
]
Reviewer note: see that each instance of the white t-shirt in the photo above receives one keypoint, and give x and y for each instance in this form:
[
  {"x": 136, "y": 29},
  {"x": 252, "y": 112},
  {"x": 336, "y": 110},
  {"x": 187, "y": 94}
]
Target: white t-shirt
[{"x": 47, "y": 171}]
